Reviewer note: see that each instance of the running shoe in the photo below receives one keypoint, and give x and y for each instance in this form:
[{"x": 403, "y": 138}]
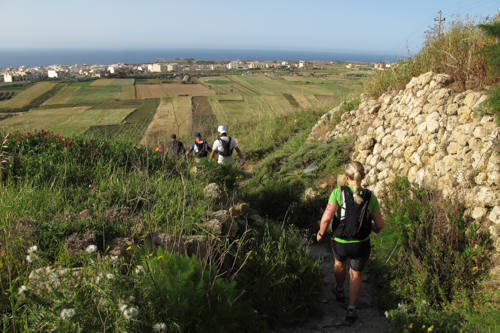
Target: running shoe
[
  {"x": 351, "y": 316},
  {"x": 339, "y": 295}
]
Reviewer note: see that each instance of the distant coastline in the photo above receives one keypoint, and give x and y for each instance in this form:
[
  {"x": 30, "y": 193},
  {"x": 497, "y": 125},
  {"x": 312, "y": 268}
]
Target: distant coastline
[{"x": 46, "y": 57}]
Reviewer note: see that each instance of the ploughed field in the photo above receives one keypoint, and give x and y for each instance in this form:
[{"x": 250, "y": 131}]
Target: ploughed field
[{"x": 149, "y": 110}]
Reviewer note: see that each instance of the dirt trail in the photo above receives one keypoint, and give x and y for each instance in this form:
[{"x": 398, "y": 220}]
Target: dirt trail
[{"x": 370, "y": 318}]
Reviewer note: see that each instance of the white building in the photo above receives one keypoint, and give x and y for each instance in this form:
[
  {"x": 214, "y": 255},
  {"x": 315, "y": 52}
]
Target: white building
[
  {"x": 158, "y": 68},
  {"x": 173, "y": 67}
]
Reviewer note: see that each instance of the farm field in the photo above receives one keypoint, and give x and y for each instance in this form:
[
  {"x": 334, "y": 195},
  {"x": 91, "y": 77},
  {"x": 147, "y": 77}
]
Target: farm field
[
  {"x": 63, "y": 121},
  {"x": 92, "y": 94},
  {"x": 62, "y": 96},
  {"x": 133, "y": 126},
  {"x": 224, "y": 86},
  {"x": 81, "y": 83},
  {"x": 122, "y": 82},
  {"x": 24, "y": 97},
  {"x": 144, "y": 91},
  {"x": 264, "y": 85},
  {"x": 174, "y": 115}
]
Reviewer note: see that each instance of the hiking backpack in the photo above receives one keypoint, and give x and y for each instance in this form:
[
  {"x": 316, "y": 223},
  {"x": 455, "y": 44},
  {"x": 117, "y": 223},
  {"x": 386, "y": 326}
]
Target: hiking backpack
[
  {"x": 202, "y": 149},
  {"x": 176, "y": 147},
  {"x": 355, "y": 221},
  {"x": 225, "y": 147}
]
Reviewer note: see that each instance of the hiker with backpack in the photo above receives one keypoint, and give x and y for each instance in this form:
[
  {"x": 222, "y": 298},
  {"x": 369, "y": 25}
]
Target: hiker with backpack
[
  {"x": 224, "y": 146},
  {"x": 175, "y": 147},
  {"x": 352, "y": 209},
  {"x": 200, "y": 147}
]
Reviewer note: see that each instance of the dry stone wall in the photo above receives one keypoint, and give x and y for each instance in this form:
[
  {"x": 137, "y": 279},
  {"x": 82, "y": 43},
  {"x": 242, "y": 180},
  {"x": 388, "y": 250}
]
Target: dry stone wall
[{"x": 432, "y": 135}]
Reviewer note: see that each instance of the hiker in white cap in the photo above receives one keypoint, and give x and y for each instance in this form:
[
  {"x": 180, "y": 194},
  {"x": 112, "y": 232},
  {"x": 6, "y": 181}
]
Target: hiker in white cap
[{"x": 224, "y": 146}]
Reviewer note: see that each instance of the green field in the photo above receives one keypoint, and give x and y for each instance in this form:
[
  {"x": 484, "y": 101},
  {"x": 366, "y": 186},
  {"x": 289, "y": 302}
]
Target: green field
[
  {"x": 99, "y": 94},
  {"x": 81, "y": 83},
  {"x": 64, "y": 121},
  {"x": 133, "y": 126},
  {"x": 122, "y": 82},
  {"x": 62, "y": 96},
  {"x": 26, "y": 96}
]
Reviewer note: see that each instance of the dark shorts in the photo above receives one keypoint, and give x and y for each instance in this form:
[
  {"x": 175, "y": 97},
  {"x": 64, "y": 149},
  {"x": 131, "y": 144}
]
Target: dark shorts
[{"x": 358, "y": 252}]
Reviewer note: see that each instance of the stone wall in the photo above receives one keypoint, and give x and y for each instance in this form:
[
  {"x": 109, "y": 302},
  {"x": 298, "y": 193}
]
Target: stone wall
[{"x": 432, "y": 135}]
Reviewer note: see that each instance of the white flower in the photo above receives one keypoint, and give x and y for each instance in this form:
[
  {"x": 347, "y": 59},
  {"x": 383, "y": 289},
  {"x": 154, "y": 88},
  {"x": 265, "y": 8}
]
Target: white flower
[
  {"x": 123, "y": 307},
  {"x": 67, "y": 313},
  {"x": 131, "y": 313},
  {"x": 131, "y": 298},
  {"x": 32, "y": 249},
  {"x": 91, "y": 249},
  {"x": 114, "y": 258},
  {"x": 22, "y": 289},
  {"x": 159, "y": 327},
  {"x": 28, "y": 258},
  {"x": 139, "y": 270},
  {"x": 110, "y": 276},
  {"x": 386, "y": 314},
  {"x": 399, "y": 306},
  {"x": 97, "y": 279},
  {"x": 53, "y": 277},
  {"x": 424, "y": 302},
  {"x": 255, "y": 311}
]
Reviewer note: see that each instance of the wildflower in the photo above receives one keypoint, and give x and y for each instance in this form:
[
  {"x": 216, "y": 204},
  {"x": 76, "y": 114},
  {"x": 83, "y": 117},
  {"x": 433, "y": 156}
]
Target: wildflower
[
  {"x": 131, "y": 298},
  {"x": 93, "y": 185},
  {"x": 22, "y": 289},
  {"x": 76, "y": 285},
  {"x": 430, "y": 328},
  {"x": 159, "y": 257},
  {"x": 114, "y": 258},
  {"x": 97, "y": 279},
  {"x": 255, "y": 311},
  {"x": 128, "y": 248},
  {"x": 91, "y": 249},
  {"x": 123, "y": 307},
  {"x": 386, "y": 314},
  {"x": 28, "y": 258},
  {"x": 159, "y": 327},
  {"x": 67, "y": 313},
  {"x": 424, "y": 302},
  {"x": 139, "y": 270},
  {"x": 399, "y": 306},
  {"x": 131, "y": 313},
  {"x": 423, "y": 326},
  {"x": 110, "y": 276},
  {"x": 250, "y": 258},
  {"x": 32, "y": 249},
  {"x": 410, "y": 326}
]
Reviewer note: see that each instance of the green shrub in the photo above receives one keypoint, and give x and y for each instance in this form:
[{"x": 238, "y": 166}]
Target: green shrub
[
  {"x": 454, "y": 51},
  {"x": 492, "y": 53}
]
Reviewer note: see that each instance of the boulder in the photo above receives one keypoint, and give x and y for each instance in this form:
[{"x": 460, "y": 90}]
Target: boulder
[
  {"x": 256, "y": 220},
  {"x": 495, "y": 215},
  {"x": 197, "y": 245},
  {"x": 214, "y": 192},
  {"x": 121, "y": 246},
  {"x": 239, "y": 210},
  {"x": 168, "y": 241}
]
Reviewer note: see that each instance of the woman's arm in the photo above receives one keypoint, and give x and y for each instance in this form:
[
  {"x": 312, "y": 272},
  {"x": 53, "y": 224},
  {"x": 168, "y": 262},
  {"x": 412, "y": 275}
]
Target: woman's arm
[
  {"x": 330, "y": 211},
  {"x": 379, "y": 221}
]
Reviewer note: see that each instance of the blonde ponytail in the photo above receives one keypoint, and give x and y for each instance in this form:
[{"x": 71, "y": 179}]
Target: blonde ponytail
[{"x": 356, "y": 172}]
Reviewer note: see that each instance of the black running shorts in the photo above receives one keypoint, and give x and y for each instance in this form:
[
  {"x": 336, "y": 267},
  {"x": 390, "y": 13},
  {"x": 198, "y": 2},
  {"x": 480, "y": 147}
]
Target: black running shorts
[{"x": 358, "y": 252}]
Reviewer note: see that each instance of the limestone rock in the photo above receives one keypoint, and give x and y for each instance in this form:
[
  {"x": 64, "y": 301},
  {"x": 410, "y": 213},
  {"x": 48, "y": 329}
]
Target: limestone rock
[
  {"x": 478, "y": 213},
  {"x": 256, "y": 220},
  {"x": 214, "y": 192},
  {"x": 495, "y": 215},
  {"x": 239, "y": 210},
  {"x": 197, "y": 245},
  {"x": 119, "y": 246}
]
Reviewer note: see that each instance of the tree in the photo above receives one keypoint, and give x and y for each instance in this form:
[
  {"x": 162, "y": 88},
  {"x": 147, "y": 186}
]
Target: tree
[{"x": 493, "y": 57}]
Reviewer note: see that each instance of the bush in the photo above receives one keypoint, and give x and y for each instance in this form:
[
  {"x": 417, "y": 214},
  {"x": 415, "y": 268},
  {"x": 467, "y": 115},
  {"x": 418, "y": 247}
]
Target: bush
[
  {"x": 492, "y": 53},
  {"x": 454, "y": 52}
]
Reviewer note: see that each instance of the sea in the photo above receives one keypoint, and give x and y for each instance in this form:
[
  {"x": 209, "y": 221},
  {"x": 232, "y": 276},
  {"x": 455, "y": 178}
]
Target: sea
[{"x": 46, "y": 57}]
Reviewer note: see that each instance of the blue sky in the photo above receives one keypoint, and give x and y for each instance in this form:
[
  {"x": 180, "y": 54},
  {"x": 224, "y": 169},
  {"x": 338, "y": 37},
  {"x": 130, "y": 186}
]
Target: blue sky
[{"x": 363, "y": 26}]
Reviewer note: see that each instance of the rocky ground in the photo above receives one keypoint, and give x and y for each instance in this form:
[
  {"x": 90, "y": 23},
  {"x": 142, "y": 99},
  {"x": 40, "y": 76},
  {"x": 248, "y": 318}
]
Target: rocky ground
[{"x": 371, "y": 319}]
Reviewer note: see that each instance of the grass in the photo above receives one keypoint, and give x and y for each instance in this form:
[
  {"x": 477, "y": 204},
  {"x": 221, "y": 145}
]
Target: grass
[
  {"x": 92, "y": 94},
  {"x": 122, "y": 82},
  {"x": 62, "y": 96},
  {"x": 173, "y": 116},
  {"x": 65, "y": 121},
  {"x": 81, "y": 83},
  {"x": 28, "y": 95}
]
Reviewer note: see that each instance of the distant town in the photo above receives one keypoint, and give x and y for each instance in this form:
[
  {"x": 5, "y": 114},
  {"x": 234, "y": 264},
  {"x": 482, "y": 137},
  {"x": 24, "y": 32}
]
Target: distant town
[{"x": 167, "y": 68}]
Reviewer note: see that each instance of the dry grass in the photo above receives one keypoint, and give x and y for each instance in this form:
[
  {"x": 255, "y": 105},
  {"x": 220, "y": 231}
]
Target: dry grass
[
  {"x": 101, "y": 82},
  {"x": 63, "y": 121},
  {"x": 172, "y": 116},
  {"x": 128, "y": 92},
  {"x": 171, "y": 90},
  {"x": 24, "y": 97},
  {"x": 62, "y": 96},
  {"x": 303, "y": 101}
]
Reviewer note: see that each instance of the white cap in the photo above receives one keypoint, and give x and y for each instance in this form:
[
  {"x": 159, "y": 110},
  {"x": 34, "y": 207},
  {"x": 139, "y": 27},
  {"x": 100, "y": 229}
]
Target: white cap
[{"x": 222, "y": 129}]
